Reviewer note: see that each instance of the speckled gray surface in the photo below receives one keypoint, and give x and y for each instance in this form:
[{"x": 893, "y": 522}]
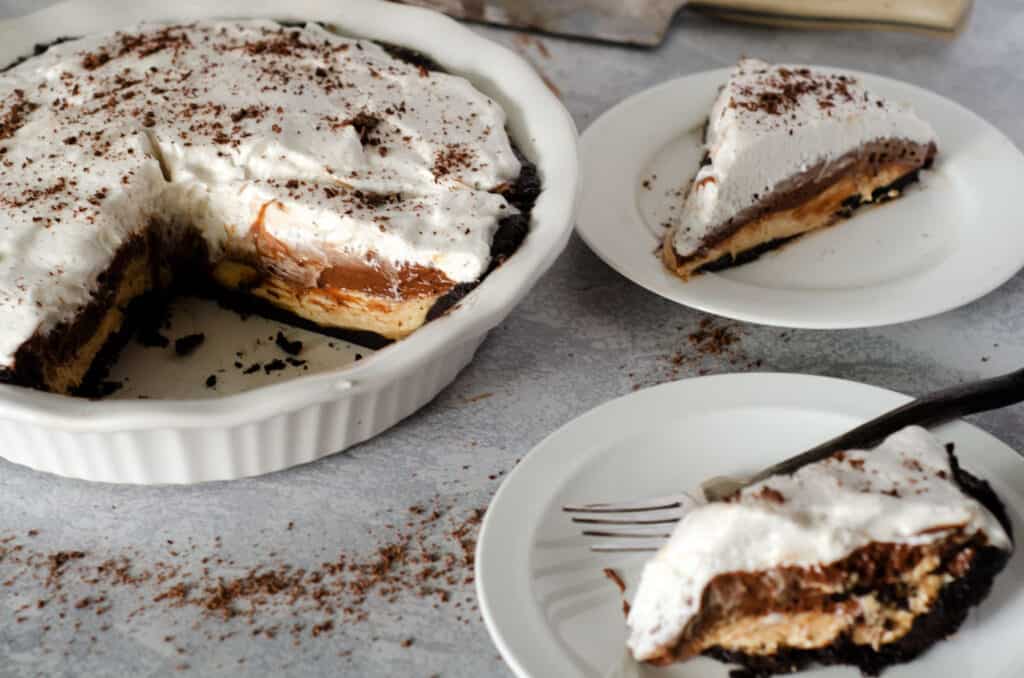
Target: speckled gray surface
[{"x": 585, "y": 335}]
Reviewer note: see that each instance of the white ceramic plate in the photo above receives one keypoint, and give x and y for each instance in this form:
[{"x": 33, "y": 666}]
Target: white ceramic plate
[
  {"x": 946, "y": 242},
  {"x": 550, "y": 610},
  {"x": 182, "y": 434}
]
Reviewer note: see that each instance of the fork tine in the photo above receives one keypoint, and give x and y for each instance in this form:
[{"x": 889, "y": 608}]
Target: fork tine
[
  {"x": 614, "y": 521},
  {"x": 655, "y": 504},
  {"x": 631, "y": 532},
  {"x": 625, "y": 535},
  {"x": 613, "y": 548}
]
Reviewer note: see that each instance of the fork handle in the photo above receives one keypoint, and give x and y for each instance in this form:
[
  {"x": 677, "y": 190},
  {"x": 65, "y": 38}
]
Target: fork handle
[{"x": 931, "y": 410}]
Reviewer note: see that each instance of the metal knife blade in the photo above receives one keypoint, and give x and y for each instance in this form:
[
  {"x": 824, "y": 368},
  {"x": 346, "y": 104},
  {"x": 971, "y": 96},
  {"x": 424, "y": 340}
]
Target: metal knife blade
[
  {"x": 645, "y": 22},
  {"x": 638, "y": 22}
]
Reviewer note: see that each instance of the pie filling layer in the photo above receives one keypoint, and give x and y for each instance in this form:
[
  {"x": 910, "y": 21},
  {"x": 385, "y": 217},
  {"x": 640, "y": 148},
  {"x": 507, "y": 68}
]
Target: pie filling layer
[{"x": 337, "y": 183}]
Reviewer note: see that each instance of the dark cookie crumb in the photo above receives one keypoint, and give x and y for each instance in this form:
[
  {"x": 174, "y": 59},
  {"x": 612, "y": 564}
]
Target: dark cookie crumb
[
  {"x": 274, "y": 366},
  {"x": 188, "y": 344},
  {"x": 150, "y": 337},
  {"x": 288, "y": 346}
]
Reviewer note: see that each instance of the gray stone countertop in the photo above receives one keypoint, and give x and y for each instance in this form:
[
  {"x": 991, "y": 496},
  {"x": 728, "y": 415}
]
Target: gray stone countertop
[{"x": 583, "y": 336}]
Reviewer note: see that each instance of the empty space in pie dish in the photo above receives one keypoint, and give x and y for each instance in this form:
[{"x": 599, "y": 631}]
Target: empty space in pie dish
[{"x": 237, "y": 353}]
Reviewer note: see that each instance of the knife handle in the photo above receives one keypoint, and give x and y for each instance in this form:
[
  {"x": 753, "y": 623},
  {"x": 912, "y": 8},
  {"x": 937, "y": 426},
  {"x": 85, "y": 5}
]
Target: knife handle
[{"x": 943, "y": 16}]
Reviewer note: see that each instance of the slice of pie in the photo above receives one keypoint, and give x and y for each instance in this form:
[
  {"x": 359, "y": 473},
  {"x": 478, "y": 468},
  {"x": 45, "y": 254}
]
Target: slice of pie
[
  {"x": 867, "y": 558},
  {"x": 789, "y": 150}
]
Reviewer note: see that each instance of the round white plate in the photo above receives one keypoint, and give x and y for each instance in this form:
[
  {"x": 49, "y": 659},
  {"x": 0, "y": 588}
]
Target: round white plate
[
  {"x": 948, "y": 241},
  {"x": 550, "y": 610}
]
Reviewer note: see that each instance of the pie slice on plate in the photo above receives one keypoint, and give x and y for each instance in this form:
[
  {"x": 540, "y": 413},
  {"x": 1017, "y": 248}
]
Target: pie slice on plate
[
  {"x": 790, "y": 149},
  {"x": 867, "y": 558}
]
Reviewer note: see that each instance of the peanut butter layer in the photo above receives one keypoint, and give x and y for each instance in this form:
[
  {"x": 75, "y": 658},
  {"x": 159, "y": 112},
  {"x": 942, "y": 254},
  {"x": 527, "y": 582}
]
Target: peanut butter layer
[{"x": 358, "y": 307}]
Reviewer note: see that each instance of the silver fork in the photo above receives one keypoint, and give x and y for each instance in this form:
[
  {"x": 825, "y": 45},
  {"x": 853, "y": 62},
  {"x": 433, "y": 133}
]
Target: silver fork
[{"x": 643, "y": 525}]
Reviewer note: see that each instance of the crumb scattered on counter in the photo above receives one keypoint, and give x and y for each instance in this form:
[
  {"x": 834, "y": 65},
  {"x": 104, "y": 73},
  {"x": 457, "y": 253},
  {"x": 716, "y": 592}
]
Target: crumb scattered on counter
[{"x": 428, "y": 554}]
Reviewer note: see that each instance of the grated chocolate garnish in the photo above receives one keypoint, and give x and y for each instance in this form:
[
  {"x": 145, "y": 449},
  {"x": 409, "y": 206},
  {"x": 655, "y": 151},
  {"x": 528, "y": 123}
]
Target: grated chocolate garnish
[{"x": 427, "y": 555}]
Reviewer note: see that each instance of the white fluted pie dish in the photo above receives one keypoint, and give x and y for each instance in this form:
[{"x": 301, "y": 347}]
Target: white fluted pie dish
[{"x": 196, "y": 435}]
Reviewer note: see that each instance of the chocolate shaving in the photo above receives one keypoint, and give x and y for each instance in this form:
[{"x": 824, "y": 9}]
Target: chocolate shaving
[
  {"x": 14, "y": 118},
  {"x": 364, "y": 124},
  {"x": 615, "y": 578},
  {"x": 453, "y": 158}
]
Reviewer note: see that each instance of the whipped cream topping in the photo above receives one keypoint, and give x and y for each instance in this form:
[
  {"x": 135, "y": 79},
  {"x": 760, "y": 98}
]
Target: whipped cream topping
[
  {"x": 770, "y": 123},
  {"x": 332, "y": 148},
  {"x": 902, "y": 492}
]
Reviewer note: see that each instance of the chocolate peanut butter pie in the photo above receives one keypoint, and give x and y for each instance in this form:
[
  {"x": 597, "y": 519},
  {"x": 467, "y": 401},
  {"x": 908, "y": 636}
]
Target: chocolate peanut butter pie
[
  {"x": 867, "y": 558},
  {"x": 340, "y": 182},
  {"x": 790, "y": 150}
]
